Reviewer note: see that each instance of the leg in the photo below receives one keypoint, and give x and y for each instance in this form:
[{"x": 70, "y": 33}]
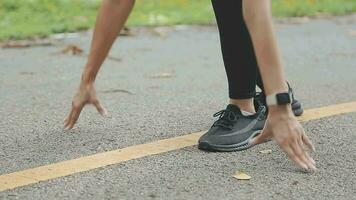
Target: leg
[
  {"x": 240, "y": 58},
  {"x": 234, "y": 128},
  {"x": 238, "y": 53}
]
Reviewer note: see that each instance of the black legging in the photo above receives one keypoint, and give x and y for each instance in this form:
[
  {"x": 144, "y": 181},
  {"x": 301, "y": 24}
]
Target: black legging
[{"x": 237, "y": 49}]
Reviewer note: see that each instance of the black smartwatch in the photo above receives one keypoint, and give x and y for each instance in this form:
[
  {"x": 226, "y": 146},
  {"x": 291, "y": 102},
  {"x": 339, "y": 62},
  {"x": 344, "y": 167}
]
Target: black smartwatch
[{"x": 278, "y": 99}]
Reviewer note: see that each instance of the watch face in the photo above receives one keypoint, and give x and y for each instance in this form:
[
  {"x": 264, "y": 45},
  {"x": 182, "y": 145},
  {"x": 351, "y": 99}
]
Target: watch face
[{"x": 283, "y": 98}]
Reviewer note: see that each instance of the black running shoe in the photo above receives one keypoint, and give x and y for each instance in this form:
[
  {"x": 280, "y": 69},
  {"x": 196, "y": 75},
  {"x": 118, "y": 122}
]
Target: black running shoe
[
  {"x": 233, "y": 130},
  {"x": 260, "y": 99}
]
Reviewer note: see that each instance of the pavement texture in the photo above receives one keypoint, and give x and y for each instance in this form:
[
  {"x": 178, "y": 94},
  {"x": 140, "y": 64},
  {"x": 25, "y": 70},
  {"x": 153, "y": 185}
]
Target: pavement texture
[{"x": 175, "y": 81}]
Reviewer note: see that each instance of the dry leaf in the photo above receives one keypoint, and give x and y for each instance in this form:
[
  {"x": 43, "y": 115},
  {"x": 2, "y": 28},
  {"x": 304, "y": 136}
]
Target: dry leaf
[
  {"x": 72, "y": 49},
  {"x": 352, "y": 33},
  {"x": 162, "y": 75},
  {"x": 126, "y": 32},
  {"x": 240, "y": 175},
  {"x": 266, "y": 151}
]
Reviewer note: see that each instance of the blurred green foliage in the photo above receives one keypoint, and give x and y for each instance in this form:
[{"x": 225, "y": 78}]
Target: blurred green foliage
[
  {"x": 21, "y": 19},
  {"x": 288, "y": 8},
  {"x": 24, "y": 18}
]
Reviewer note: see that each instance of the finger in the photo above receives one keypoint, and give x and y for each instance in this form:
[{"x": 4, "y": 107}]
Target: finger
[
  {"x": 299, "y": 151},
  {"x": 307, "y": 141},
  {"x": 306, "y": 153},
  {"x": 100, "y": 108},
  {"x": 71, "y": 120},
  {"x": 300, "y": 144},
  {"x": 66, "y": 123},
  {"x": 75, "y": 117},
  {"x": 310, "y": 158},
  {"x": 294, "y": 157},
  {"x": 261, "y": 138},
  {"x": 300, "y": 154}
]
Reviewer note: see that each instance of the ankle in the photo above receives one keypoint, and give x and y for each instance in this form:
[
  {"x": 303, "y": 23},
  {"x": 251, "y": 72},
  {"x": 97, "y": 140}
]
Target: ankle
[{"x": 244, "y": 104}]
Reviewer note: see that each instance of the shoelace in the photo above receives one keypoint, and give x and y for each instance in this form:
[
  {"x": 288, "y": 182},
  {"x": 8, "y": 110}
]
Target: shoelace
[
  {"x": 260, "y": 96},
  {"x": 227, "y": 118}
]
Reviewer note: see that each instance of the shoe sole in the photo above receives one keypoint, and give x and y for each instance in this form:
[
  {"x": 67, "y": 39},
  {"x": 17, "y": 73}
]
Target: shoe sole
[{"x": 229, "y": 148}]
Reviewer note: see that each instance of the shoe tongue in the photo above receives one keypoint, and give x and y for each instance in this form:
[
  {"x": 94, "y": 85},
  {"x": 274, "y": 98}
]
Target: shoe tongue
[{"x": 233, "y": 108}]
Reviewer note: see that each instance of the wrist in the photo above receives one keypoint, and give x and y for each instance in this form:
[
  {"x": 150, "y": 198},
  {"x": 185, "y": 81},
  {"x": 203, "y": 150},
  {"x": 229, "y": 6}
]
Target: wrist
[
  {"x": 86, "y": 81},
  {"x": 88, "y": 77},
  {"x": 281, "y": 98},
  {"x": 279, "y": 88},
  {"x": 280, "y": 109}
]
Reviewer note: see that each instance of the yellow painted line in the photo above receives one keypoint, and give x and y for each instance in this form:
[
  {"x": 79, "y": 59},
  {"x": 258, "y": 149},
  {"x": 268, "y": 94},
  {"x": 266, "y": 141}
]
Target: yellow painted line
[
  {"x": 317, "y": 113},
  {"x": 69, "y": 167},
  {"x": 65, "y": 168}
]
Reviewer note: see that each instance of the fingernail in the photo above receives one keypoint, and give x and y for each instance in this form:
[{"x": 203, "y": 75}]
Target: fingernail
[
  {"x": 305, "y": 166},
  {"x": 312, "y": 147},
  {"x": 312, "y": 168},
  {"x": 313, "y": 161}
]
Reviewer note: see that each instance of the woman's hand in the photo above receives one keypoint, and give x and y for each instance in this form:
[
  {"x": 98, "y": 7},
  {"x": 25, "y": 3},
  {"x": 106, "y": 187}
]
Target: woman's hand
[
  {"x": 283, "y": 127},
  {"x": 86, "y": 95},
  {"x": 111, "y": 18}
]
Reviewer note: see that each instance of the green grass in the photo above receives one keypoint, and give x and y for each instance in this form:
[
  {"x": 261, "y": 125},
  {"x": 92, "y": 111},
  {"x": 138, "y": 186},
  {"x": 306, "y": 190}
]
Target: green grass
[
  {"x": 21, "y": 19},
  {"x": 291, "y": 8}
]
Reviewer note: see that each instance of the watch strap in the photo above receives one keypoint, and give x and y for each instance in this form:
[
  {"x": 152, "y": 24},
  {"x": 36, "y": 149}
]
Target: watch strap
[
  {"x": 278, "y": 98},
  {"x": 271, "y": 100}
]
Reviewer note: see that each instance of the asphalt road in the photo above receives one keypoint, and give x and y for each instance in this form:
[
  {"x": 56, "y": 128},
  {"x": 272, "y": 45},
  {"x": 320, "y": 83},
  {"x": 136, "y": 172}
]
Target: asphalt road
[{"x": 37, "y": 84}]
